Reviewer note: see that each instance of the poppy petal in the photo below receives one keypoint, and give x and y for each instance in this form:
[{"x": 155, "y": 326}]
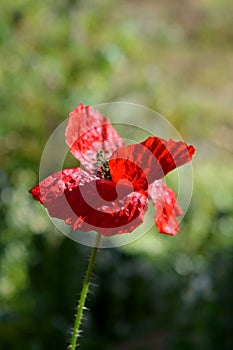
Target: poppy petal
[
  {"x": 51, "y": 191},
  {"x": 166, "y": 208},
  {"x": 168, "y": 154},
  {"x": 88, "y": 203},
  {"x": 143, "y": 163},
  {"x": 108, "y": 218},
  {"x": 87, "y": 133}
]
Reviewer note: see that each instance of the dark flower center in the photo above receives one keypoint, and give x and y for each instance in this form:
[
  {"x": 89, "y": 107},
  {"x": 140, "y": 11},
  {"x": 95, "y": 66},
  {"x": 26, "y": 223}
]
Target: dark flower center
[{"x": 101, "y": 165}]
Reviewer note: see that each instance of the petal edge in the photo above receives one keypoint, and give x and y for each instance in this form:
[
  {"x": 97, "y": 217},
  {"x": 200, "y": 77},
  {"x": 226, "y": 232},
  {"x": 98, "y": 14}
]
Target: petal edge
[{"x": 166, "y": 208}]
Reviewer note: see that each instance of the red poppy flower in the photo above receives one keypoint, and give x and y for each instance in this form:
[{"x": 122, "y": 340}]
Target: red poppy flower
[{"x": 109, "y": 193}]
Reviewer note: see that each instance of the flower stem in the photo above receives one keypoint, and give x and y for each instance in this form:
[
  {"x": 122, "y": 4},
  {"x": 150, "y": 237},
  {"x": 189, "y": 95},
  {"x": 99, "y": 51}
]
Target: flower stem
[{"x": 83, "y": 295}]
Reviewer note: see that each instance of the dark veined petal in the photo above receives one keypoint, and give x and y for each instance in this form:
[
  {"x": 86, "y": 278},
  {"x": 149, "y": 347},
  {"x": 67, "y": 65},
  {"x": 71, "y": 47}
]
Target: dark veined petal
[
  {"x": 88, "y": 203},
  {"x": 87, "y": 133},
  {"x": 166, "y": 208},
  {"x": 143, "y": 163},
  {"x": 169, "y": 154}
]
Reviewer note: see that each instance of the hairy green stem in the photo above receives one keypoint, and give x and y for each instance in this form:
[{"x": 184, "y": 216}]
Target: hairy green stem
[{"x": 83, "y": 295}]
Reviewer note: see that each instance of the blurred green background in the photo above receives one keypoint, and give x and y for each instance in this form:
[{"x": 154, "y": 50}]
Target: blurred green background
[{"x": 159, "y": 292}]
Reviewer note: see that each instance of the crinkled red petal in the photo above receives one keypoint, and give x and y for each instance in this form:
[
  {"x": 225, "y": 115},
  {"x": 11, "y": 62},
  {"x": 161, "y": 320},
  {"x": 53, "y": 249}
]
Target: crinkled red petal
[
  {"x": 51, "y": 191},
  {"x": 88, "y": 132},
  {"x": 166, "y": 208},
  {"x": 88, "y": 203},
  {"x": 143, "y": 163}
]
